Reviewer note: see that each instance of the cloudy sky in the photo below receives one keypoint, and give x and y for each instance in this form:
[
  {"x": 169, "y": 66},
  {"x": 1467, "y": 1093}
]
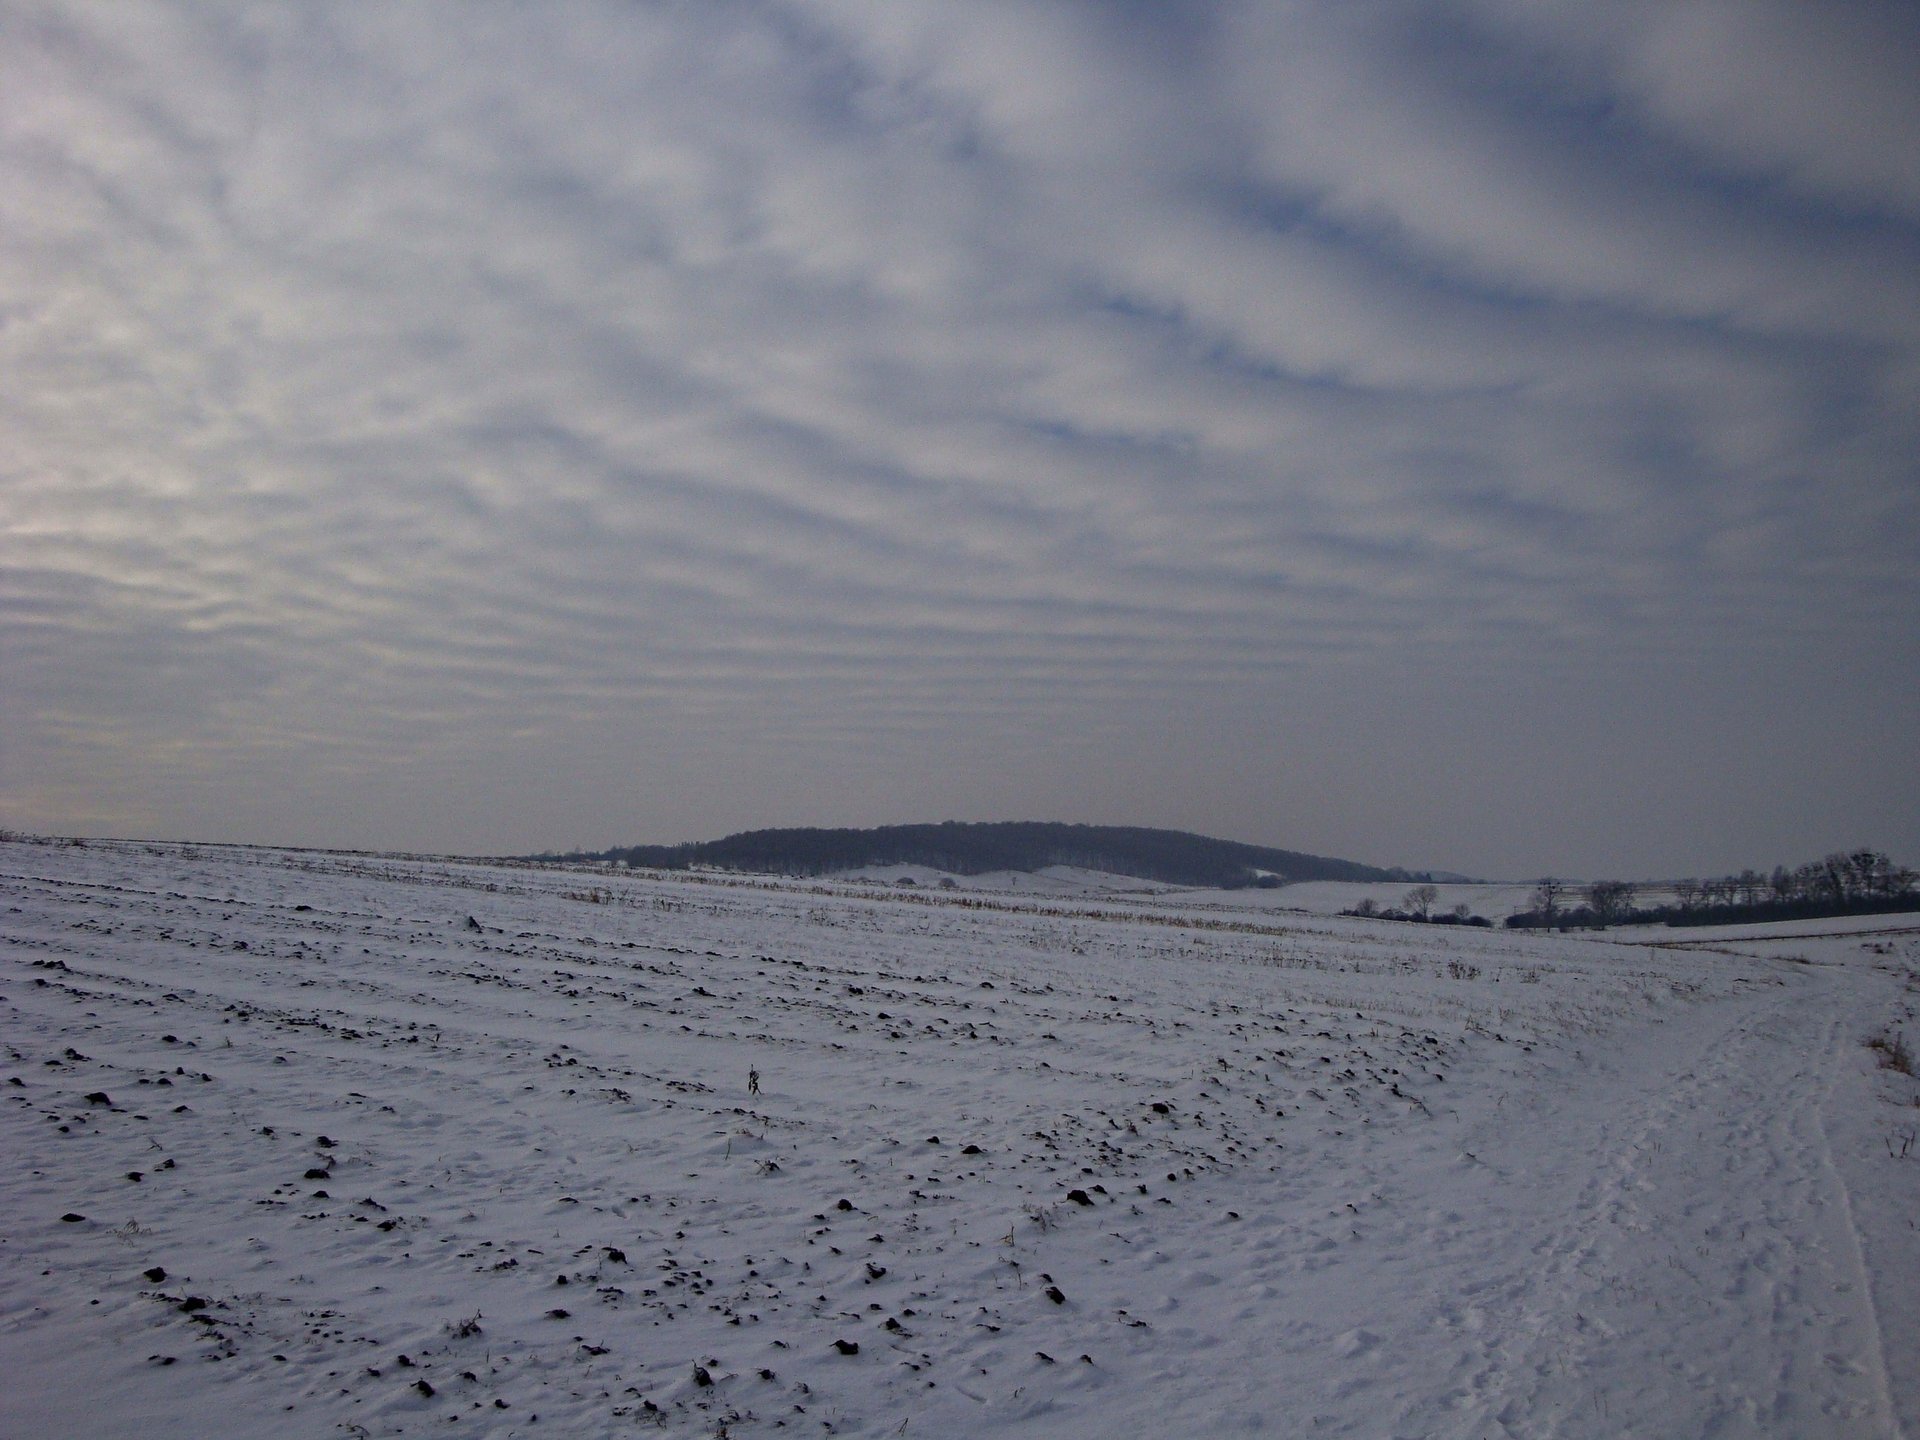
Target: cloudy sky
[{"x": 1481, "y": 434}]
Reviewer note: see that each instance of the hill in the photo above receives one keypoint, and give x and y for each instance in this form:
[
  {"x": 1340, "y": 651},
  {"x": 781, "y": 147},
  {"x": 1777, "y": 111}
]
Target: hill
[{"x": 1173, "y": 857}]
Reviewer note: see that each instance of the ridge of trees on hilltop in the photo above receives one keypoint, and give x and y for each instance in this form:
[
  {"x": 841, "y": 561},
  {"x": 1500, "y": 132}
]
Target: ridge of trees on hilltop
[
  {"x": 1846, "y": 882},
  {"x": 1171, "y": 857}
]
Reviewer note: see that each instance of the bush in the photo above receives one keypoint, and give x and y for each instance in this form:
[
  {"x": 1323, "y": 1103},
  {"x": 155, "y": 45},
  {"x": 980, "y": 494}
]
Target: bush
[{"x": 1891, "y": 1046}]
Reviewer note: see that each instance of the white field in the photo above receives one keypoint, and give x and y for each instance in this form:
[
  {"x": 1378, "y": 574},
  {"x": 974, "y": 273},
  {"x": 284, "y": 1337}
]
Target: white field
[
  {"x": 1058, "y": 1167},
  {"x": 1060, "y": 880},
  {"x": 1494, "y": 899}
]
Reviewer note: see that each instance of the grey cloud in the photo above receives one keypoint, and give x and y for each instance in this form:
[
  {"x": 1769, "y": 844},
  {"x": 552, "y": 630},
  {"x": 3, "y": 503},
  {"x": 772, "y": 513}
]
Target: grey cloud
[
  {"x": 1356, "y": 115},
  {"x": 708, "y": 396},
  {"x": 1818, "y": 99}
]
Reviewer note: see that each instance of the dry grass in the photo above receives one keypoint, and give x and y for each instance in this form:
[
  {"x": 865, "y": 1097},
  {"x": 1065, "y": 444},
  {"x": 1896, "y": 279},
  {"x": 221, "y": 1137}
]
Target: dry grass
[{"x": 1891, "y": 1046}]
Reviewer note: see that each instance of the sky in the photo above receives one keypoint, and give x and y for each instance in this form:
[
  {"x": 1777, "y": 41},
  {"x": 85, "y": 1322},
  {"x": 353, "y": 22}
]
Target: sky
[{"x": 1471, "y": 434}]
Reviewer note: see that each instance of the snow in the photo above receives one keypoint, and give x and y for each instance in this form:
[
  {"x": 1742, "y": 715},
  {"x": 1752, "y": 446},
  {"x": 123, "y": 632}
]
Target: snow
[
  {"x": 1495, "y": 900},
  {"x": 1237, "y": 1171},
  {"x": 1062, "y": 880}
]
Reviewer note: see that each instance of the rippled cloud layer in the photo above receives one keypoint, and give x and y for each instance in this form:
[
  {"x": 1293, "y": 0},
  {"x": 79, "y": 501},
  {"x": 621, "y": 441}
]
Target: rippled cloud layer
[{"x": 1480, "y": 435}]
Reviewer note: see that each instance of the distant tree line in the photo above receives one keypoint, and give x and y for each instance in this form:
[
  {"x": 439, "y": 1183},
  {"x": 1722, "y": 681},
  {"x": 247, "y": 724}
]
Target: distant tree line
[
  {"x": 1847, "y": 882},
  {"x": 1170, "y": 856},
  {"x": 1418, "y": 905}
]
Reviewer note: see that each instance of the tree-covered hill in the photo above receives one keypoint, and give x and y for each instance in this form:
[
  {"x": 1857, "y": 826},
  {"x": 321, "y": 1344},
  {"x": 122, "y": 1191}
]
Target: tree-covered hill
[{"x": 1172, "y": 856}]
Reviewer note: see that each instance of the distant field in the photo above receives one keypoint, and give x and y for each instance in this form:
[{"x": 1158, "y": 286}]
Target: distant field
[
  {"x": 1314, "y": 897},
  {"x": 1330, "y": 897}
]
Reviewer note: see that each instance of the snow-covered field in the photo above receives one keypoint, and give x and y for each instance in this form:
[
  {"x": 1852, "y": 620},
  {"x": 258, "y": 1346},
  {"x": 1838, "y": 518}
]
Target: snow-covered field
[
  {"x": 1495, "y": 900},
  {"x": 1059, "y": 880},
  {"x": 302, "y": 1144}
]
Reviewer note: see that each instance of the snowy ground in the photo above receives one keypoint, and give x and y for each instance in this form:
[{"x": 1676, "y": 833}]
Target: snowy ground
[
  {"x": 1057, "y": 880},
  {"x": 1496, "y": 900},
  {"x": 318, "y": 1145}
]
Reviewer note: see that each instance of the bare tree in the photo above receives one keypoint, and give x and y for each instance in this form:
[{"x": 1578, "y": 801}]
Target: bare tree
[
  {"x": 1420, "y": 899},
  {"x": 1831, "y": 875},
  {"x": 1872, "y": 873},
  {"x": 1609, "y": 900},
  {"x": 1548, "y": 894}
]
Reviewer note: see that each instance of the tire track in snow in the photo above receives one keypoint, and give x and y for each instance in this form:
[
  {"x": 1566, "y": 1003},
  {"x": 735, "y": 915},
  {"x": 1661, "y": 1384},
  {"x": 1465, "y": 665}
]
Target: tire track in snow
[
  {"x": 1855, "y": 1250},
  {"x": 1718, "y": 1215}
]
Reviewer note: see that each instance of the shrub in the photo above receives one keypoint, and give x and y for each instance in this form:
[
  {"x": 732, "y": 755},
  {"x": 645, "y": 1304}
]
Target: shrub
[{"x": 1892, "y": 1049}]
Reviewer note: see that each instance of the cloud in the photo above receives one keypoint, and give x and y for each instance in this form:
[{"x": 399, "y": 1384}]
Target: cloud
[
  {"x": 1819, "y": 102},
  {"x": 691, "y": 393}
]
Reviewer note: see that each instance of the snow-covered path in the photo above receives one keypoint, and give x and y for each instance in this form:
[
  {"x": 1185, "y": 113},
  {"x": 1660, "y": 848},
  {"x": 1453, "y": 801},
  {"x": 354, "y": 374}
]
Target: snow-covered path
[
  {"x": 1648, "y": 1235},
  {"x": 1051, "y": 1169},
  {"x": 1699, "y": 1271}
]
